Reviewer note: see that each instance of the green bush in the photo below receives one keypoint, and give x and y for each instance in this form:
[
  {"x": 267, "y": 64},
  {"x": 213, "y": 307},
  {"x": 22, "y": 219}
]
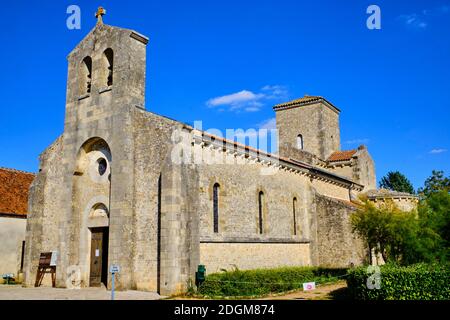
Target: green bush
[
  {"x": 414, "y": 282},
  {"x": 265, "y": 281}
]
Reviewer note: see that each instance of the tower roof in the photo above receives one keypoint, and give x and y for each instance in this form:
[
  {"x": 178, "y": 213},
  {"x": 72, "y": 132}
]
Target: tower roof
[{"x": 306, "y": 100}]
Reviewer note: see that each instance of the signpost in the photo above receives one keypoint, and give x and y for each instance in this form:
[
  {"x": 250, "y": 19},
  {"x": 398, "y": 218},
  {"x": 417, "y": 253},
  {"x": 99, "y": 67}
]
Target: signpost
[{"x": 114, "y": 268}]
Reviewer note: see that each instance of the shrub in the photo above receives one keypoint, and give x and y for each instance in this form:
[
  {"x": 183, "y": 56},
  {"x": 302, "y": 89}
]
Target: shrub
[
  {"x": 414, "y": 282},
  {"x": 265, "y": 281}
]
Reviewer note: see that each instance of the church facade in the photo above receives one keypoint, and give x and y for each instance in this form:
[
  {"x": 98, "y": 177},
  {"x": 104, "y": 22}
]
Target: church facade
[{"x": 126, "y": 186}]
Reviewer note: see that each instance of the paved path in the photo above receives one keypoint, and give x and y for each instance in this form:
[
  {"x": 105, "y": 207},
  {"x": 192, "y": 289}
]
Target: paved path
[{"x": 16, "y": 292}]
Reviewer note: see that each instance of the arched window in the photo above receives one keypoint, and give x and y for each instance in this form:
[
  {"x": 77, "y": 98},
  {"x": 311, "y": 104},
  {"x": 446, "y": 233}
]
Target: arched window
[
  {"x": 300, "y": 142},
  {"x": 85, "y": 76},
  {"x": 260, "y": 211},
  {"x": 216, "y": 190},
  {"x": 108, "y": 67},
  {"x": 294, "y": 207}
]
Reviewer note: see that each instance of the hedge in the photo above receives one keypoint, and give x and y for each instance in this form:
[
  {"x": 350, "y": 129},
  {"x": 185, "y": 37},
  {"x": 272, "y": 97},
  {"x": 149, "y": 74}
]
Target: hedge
[
  {"x": 265, "y": 281},
  {"x": 415, "y": 282}
]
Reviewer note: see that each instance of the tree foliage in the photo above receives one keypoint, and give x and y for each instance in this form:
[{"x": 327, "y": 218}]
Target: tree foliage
[
  {"x": 435, "y": 183},
  {"x": 400, "y": 237},
  {"x": 396, "y": 181},
  {"x": 435, "y": 212}
]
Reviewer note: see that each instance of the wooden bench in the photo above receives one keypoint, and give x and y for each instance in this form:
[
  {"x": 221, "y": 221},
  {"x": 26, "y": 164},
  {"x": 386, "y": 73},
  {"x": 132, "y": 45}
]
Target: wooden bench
[{"x": 45, "y": 267}]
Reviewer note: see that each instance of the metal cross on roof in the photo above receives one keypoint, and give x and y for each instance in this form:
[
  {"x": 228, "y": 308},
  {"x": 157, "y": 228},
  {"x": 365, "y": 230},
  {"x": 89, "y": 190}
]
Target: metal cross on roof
[{"x": 99, "y": 14}]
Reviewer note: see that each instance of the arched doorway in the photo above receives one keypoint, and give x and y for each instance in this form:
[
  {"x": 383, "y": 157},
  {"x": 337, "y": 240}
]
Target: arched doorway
[
  {"x": 98, "y": 224},
  {"x": 91, "y": 203}
]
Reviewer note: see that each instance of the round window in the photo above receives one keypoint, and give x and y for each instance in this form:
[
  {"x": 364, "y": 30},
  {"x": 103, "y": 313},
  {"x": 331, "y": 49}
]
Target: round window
[{"x": 102, "y": 166}]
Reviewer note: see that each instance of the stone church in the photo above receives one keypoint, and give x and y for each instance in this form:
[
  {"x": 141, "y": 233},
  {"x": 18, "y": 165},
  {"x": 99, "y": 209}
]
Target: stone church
[{"x": 120, "y": 185}]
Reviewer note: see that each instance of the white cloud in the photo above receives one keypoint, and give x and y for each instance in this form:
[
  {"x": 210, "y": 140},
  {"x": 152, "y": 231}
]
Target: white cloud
[
  {"x": 234, "y": 99},
  {"x": 276, "y": 92},
  {"x": 414, "y": 21},
  {"x": 357, "y": 141},
  {"x": 268, "y": 124},
  {"x": 437, "y": 11},
  {"x": 437, "y": 151},
  {"x": 420, "y": 21},
  {"x": 249, "y": 101}
]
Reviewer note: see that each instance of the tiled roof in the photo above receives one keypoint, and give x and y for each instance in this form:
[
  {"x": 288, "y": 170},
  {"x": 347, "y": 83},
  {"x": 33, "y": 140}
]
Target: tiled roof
[
  {"x": 14, "y": 187},
  {"x": 303, "y": 101},
  {"x": 342, "y": 155}
]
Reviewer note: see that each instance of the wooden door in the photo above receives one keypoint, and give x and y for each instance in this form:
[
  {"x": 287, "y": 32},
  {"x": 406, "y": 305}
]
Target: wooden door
[{"x": 96, "y": 257}]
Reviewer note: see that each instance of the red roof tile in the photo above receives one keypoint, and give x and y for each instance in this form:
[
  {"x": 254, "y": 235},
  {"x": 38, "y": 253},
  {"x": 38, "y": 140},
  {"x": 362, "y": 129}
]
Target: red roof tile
[
  {"x": 342, "y": 155},
  {"x": 14, "y": 187}
]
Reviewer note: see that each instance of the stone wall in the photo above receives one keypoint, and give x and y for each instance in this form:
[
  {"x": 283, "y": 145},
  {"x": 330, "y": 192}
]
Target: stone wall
[
  {"x": 317, "y": 123},
  {"x": 239, "y": 205},
  {"x": 361, "y": 169},
  {"x": 164, "y": 222},
  {"x": 12, "y": 234},
  {"x": 406, "y": 204},
  {"x": 334, "y": 243},
  {"x": 44, "y": 210},
  {"x": 227, "y": 256}
]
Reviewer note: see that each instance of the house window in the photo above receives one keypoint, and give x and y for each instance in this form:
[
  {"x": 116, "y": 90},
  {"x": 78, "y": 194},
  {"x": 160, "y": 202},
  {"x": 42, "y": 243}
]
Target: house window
[
  {"x": 260, "y": 211},
  {"x": 216, "y": 189},
  {"x": 294, "y": 207},
  {"x": 300, "y": 142},
  {"x": 85, "y": 77}
]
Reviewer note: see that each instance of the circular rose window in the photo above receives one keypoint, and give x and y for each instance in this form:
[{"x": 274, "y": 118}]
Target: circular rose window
[{"x": 102, "y": 166}]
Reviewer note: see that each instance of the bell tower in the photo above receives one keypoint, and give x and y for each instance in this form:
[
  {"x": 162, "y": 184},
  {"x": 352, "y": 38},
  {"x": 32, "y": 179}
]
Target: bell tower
[
  {"x": 106, "y": 69},
  {"x": 309, "y": 124},
  {"x": 105, "y": 91}
]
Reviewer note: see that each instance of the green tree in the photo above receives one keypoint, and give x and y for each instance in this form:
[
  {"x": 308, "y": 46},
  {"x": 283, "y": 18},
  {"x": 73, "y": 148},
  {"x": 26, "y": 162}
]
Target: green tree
[
  {"x": 435, "y": 212},
  {"x": 400, "y": 237},
  {"x": 396, "y": 181},
  {"x": 435, "y": 183}
]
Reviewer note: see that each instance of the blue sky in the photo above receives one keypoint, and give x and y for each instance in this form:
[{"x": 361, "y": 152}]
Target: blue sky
[{"x": 392, "y": 85}]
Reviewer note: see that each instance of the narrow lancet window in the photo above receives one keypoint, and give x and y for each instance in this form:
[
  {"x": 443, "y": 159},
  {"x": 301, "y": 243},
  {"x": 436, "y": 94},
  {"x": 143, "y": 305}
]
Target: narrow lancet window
[
  {"x": 260, "y": 211},
  {"x": 86, "y": 76},
  {"x": 294, "y": 207},
  {"x": 216, "y": 189},
  {"x": 108, "y": 61},
  {"x": 300, "y": 142}
]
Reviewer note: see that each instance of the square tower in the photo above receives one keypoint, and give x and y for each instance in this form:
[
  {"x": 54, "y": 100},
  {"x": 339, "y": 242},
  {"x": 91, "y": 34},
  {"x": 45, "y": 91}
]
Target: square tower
[{"x": 308, "y": 124}]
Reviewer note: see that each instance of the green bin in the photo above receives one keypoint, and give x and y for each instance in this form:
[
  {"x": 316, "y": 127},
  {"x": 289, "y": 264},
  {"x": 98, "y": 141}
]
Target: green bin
[{"x": 200, "y": 275}]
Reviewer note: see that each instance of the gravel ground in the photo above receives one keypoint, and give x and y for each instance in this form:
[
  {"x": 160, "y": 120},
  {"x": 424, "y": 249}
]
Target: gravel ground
[{"x": 16, "y": 292}]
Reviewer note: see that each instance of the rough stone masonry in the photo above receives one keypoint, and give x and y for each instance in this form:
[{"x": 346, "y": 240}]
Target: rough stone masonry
[{"x": 125, "y": 186}]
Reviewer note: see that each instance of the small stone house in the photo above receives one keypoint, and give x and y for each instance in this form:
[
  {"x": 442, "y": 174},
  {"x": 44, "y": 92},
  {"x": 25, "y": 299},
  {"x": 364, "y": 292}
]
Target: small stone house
[{"x": 14, "y": 187}]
